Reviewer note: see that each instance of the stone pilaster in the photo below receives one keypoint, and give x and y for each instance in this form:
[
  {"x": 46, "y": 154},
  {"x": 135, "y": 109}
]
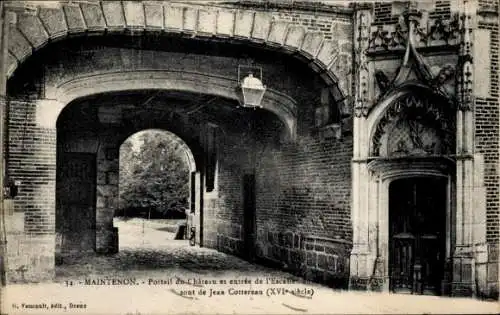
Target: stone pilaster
[
  {"x": 361, "y": 260},
  {"x": 107, "y": 198},
  {"x": 470, "y": 253}
]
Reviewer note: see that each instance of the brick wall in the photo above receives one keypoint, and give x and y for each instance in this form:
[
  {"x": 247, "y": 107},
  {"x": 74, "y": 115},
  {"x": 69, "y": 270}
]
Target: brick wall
[
  {"x": 487, "y": 132},
  {"x": 223, "y": 207},
  {"x": 489, "y": 5},
  {"x": 302, "y": 196},
  {"x": 442, "y": 10},
  {"x": 325, "y": 23},
  {"x": 303, "y": 193},
  {"x": 384, "y": 12},
  {"x": 32, "y": 162}
]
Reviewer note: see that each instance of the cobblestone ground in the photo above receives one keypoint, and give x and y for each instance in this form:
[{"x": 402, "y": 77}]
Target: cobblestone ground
[
  {"x": 147, "y": 250},
  {"x": 154, "y": 274}
]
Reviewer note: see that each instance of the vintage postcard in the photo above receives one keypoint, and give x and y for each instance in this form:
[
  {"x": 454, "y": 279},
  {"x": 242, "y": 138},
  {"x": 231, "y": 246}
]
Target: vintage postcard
[{"x": 249, "y": 157}]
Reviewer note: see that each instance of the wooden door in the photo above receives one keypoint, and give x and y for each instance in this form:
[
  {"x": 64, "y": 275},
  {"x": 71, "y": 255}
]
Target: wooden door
[
  {"x": 417, "y": 209},
  {"x": 249, "y": 215},
  {"x": 76, "y": 201}
]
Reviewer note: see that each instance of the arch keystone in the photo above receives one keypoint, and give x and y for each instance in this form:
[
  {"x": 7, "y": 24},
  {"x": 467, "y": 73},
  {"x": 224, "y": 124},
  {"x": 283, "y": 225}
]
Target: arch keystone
[
  {"x": 134, "y": 14},
  {"x": 243, "y": 23},
  {"x": 277, "y": 33},
  {"x": 294, "y": 37},
  {"x": 207, "y": 22},
  {"x": 174, "y": 18},
  {"x": 154, "y": 16},
  {"x": 113, "y": 13},
  {"x": 225, "y": 22},
  {"x": 262, "y": 25},
  {"x": 94, "y": 18}
]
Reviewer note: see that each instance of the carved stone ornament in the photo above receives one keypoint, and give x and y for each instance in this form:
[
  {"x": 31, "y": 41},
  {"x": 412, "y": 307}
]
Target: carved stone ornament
[
  {"x": 465, "y": 78},
  {"x": 445, "y": 74},
  {"x": 422, "y": 122},
  {"x": 436, "y": 32},
  {"x": 447, "y": 31},
  {"x": 361, "y": 109},
  {"x": 383, "y": 81},
  {"x": 413, "y": 66},
  {"x": 363, "y": 20},
  {"x": 382, "y": 39}
]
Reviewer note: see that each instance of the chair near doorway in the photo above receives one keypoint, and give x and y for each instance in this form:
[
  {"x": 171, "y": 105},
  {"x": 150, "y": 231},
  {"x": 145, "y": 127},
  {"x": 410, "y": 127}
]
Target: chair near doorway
[
  {"x": 180, "y": 232},
  {"x": 58, "y": 252}
]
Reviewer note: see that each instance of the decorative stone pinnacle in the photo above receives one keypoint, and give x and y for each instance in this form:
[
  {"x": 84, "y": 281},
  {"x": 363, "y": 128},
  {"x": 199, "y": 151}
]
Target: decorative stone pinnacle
[
  {"x": 361, "y": 108},
  {"x": 412, "y": 14}
]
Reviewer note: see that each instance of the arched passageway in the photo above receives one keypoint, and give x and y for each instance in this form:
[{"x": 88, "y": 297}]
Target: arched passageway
[
  {"x": 86, "y": 94},
  {"x": 154, "y": 190},
  {"x": 90, "y": 132},
  {"x": 289, "y": 183}
]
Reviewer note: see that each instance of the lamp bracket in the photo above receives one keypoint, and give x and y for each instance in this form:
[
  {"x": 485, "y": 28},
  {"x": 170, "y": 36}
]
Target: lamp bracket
[{"x": 244, "y": 70}]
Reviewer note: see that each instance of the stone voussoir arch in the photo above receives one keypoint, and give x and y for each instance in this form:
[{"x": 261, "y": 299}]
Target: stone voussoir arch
[
  {"x": 58, "y": 97},
  {"x": 33, "y": 30}
]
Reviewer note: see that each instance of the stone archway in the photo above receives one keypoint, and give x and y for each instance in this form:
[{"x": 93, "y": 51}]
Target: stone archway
[
  {"x": 90, "y": 130},
  {"x": 57, "y": 98},
  {"x": 34, "y": 29},
  {"x": 194, "y": 211},
  {"x": 38, "y": 29}
]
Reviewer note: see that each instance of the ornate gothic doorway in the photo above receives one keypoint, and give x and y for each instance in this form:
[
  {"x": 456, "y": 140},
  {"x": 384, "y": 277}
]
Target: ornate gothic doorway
[{"x": 417, "y": 234}]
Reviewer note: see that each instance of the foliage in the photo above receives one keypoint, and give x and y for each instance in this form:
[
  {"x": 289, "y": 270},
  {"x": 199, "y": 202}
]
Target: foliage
[{"x": 154, "y": 174}]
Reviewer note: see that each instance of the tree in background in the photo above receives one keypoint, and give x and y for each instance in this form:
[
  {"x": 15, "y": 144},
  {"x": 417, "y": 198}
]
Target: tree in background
[{"x": 154, "y": 175}]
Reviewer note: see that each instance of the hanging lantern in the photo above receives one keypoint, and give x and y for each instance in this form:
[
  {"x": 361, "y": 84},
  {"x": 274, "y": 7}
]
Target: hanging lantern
[
  {"x": 253, "y": 91},
  {"x": 10, "y": 188},
  {"x": 251, "y": 87}
]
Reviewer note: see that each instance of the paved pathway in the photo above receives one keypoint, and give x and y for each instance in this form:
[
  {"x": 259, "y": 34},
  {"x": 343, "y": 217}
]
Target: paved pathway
[{"x": 154, "y": 274}]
